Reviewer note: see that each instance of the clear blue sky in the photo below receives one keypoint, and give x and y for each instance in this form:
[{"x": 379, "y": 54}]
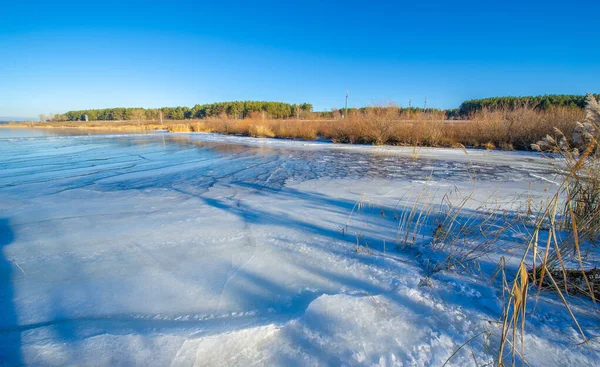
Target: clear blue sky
[{"x": 61, "y": 55}]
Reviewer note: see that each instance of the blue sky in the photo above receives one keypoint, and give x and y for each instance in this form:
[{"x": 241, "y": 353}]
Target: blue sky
[{"x": 63, "y": 55}]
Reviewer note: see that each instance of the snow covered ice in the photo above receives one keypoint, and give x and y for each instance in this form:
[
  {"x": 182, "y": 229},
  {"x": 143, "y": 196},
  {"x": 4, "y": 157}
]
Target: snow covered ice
[{"x": 200, "y": 249}]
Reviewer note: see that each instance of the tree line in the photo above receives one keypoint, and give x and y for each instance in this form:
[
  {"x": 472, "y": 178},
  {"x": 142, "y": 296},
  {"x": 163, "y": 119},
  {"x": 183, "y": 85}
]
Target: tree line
[
  {"x": 280, "y": 110},
  {"x": 536, "y": 102},
  {"x": 236, "y": 109}
]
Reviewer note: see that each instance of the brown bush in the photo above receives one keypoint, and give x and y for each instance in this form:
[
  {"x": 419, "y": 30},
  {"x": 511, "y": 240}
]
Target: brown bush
[{"x": 516, "y": 128}]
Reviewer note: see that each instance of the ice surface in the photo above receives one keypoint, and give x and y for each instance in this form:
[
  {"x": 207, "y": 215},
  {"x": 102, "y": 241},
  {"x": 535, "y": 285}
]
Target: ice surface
[{"x": 200, "y": 249}]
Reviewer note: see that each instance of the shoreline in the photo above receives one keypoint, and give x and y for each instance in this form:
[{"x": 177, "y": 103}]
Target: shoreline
[
  {"x": 176, "y": 127},
  {"x": 466, "y": 154},
  {"x": 415, "y": 134}
]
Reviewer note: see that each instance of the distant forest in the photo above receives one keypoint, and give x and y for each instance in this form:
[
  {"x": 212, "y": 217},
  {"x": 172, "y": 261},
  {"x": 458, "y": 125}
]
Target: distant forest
[
  {"x": 237, "y": 109},
  {"x": 536, "y": 102},
  {"x": 280, "y": 110}
]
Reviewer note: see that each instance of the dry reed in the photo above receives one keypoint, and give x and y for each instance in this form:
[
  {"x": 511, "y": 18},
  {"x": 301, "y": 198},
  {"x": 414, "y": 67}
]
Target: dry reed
[{"x": 504, "y": 129}]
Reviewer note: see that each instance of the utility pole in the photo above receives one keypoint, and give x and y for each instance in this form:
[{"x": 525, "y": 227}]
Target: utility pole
[
  {"x": 346, "y": 103},
  {"x": 409, "y": 103},
  {"x": 425, "y": 104}
]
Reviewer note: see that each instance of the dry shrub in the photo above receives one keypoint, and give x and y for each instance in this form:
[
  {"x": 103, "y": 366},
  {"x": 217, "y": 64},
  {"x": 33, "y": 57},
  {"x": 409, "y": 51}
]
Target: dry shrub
[
  {"x": 179, "y": 128},
  {"x": 200, "y": 127},
  {"x": 345, "y": 131},
  {"x": 261, "y": 131},
  {"x": 505, "y": 129},
  {"x": 256, "y": 116},
  {"x": 376, "y": 124},
  {"x": 514, "y": 128},
  {"x": 423, "y": 133},
  {"x": 295, "y": 129},
  {"x": 433, "y": 133},
  {"x": 407, "y": 114}
]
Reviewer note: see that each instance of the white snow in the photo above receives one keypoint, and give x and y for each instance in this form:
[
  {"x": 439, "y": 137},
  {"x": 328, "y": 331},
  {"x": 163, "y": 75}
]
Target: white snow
[{"x": 201, "y": 249}]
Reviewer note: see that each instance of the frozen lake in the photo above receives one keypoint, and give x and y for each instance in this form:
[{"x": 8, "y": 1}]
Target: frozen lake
[{"x": 200, "y": 249}]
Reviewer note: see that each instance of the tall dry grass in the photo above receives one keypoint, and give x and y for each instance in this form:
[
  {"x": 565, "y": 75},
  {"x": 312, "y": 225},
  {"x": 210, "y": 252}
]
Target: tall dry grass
[
  {"x": 514, "y": 128},
  {"x": 553, "y": 258},
  {"x": 506, "y": 129}
]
